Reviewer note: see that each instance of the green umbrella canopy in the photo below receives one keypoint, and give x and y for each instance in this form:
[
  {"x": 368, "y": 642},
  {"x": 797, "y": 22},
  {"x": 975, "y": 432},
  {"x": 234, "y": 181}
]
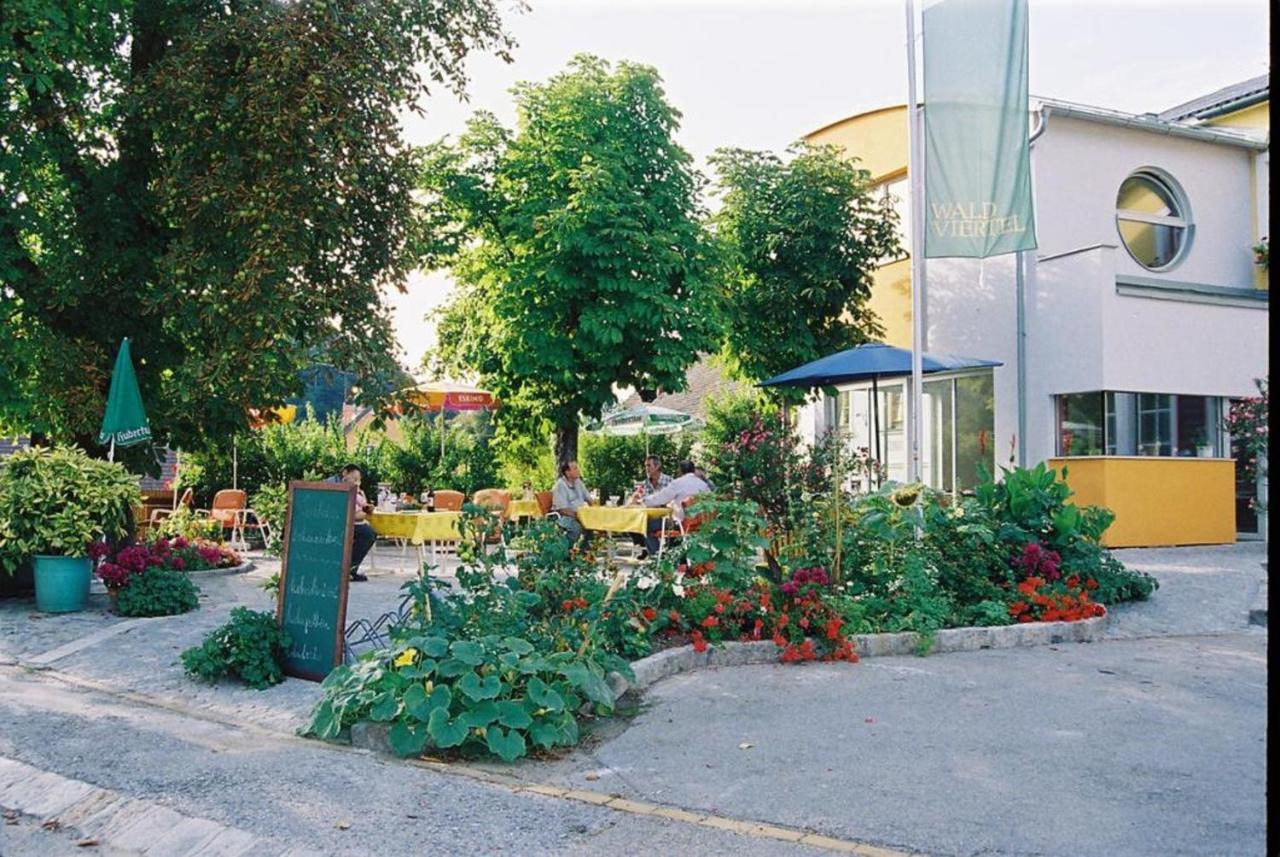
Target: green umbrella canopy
[
  {"x": 125, "y": 422},
  {"x": 644, "y": 419}
]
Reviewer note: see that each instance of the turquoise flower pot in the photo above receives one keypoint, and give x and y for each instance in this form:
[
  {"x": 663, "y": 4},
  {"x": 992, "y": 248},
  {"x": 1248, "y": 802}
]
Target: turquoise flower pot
[{"x": 62, "y": 583}]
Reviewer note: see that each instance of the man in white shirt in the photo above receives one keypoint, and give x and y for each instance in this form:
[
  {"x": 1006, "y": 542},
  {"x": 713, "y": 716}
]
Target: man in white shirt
[
  {"x": 568, "y": 494},
  {"x": 674, "y": 494}
]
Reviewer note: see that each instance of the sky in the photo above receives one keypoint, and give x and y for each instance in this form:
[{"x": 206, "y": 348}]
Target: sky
[{"x": 759, "y": 74}]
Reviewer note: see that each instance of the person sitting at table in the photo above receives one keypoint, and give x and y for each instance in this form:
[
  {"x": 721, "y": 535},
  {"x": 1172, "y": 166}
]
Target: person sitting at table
[
  {"x": 363, "y": 535},
  {"x": 567, "y": 496},
  {"x": 702, "y": 474},
  {"x": 677, "y": 491},
  {"x": 654, "y": 479}
]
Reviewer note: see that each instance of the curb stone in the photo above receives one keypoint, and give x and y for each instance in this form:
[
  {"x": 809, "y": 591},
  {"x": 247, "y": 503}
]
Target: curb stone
[
  {"x": 121, "y": 822},
  {"x": 368, "y": 735}
]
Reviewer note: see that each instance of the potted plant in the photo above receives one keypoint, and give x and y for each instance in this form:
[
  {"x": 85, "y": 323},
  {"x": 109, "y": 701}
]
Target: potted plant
[
  {"x": 1200, "y": 441},
  {"x": 53, "y": 504}
]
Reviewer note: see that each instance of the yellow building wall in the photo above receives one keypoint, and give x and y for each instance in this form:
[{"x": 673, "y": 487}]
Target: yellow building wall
[
  {"x": 878, "y": 140},
  {"x": 1157, "y": 501},
  {"x": 891, "y": 301},
  {"x": 1255, "y": 117}
]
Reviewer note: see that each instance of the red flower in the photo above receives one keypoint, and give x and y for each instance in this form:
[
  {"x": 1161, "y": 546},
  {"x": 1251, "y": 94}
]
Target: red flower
[
  {"x": 710, "y": 622},
  {"x": 674, "y": 616},
  {"x": 649, "y": 614},
  {"x": 699, "y": 644},
  {"x": 566, "y": 606},
  {"x": 1091, "y": 584}
]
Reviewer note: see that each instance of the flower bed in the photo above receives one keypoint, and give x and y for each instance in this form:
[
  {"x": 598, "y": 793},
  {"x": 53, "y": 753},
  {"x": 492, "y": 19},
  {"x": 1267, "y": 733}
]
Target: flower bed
[
  {"x": 509, "y": 665},
  {"x": 116, "y": 569}
]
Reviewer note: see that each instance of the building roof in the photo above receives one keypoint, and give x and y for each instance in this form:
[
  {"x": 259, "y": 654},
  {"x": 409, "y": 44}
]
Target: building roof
[
  {"x": 1229, "y": 99},
  {"x": 704, "y": 379},
  {"x": 1151, "y": 122}
]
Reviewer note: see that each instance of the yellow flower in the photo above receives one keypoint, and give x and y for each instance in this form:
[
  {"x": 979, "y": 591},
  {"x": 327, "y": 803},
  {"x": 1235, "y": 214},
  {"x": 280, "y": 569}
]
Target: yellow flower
[
  {"x": 406, "y": 658},
  {"x": 907, "y": 495}
]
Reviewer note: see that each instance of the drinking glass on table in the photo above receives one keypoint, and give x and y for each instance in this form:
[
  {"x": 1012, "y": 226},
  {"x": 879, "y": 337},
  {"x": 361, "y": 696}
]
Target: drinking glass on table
[{"x": 614, "y": 499}]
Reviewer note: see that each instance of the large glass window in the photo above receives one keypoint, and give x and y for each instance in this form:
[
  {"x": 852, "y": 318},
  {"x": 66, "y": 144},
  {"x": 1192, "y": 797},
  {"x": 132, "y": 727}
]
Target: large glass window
[
  {"x": 1153, "y": 219},
  {"x": 1114, "y": 423},
  {"x": 958, "y": 428},
  {"x": 975, "y": 428},
  {"x": 1155, "y": 424},
  {"x": 1080, "y": 424}
]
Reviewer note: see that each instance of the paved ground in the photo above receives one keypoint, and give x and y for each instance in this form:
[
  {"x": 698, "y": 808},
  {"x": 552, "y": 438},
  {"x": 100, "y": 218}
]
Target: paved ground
[{"x": 1149, "y": 743}]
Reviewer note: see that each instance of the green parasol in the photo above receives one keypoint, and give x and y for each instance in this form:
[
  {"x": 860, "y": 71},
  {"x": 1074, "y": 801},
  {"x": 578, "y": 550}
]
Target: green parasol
[
  {"x": 644, "y": 420},
  {"x": 125, "y": 422}
]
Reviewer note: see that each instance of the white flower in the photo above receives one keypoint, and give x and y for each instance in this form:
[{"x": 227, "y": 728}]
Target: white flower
[
  {"x": 646, "y": 582},
  {"x": 678, "y": 590}
]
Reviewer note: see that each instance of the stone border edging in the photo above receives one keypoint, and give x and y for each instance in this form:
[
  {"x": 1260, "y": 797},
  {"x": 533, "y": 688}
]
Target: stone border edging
[
  {"x": 369, "y": 735},
  {"x": 243, "y": 568},
  {"x": 671, "y": 662}
]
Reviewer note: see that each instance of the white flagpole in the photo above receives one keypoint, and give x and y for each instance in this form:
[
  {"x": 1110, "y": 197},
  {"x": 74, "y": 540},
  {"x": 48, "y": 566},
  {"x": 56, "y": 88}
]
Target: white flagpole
[
  {"x": 915, "y": 172},
  {"x": 111, "y": 450}
]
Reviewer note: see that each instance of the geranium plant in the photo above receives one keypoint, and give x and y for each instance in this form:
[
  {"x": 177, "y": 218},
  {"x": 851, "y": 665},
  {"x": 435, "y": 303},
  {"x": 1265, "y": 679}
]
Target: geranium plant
[{"x": 1247, "y": 423}]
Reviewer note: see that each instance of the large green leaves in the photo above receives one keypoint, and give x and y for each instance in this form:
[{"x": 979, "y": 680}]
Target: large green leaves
[
  {"x": 576, "y": 244},
  {"x": 802, "y": 238},
  {"x": 180, "y": 165}
]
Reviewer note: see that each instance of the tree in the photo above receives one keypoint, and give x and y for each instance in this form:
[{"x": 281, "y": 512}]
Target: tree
[
  {"x": 223, "y": 182},
  {"x": 576, "y": 245},
  {"x": 801, "y": 241}
]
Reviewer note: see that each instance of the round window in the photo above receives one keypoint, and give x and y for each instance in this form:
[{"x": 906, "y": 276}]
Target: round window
[{"x": 1154, "y": 219}]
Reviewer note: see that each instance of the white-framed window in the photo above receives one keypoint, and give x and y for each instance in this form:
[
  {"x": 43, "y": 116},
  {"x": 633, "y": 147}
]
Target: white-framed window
[
  {"x": 1159, "y": 424},
  {"x": 1153, "y": 218}
]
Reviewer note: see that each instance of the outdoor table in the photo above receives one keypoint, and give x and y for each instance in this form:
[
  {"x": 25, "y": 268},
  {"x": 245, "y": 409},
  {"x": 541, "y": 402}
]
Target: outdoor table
[
  {"x": 620, "y": 519},
  {"x": 418, "y": 528},
  {"x": 523, "y": 509}
]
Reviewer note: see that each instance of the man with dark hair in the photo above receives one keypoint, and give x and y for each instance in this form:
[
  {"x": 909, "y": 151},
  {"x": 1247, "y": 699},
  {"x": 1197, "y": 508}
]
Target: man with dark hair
[
  {"x": 568, "y": 494},
  {"x": 680, "y": 489},
  {"x": 363, "y": 536},
  {"x": 654, "y": 479}
]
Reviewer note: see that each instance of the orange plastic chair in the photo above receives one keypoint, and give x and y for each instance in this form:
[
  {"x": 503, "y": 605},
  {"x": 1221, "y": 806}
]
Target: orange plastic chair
[
  {"x": 230, "y": 510},
  {"x": 449, "y": 501},
  {"x": 493, "y": 499},
  {"x": 544, "y": 502}
]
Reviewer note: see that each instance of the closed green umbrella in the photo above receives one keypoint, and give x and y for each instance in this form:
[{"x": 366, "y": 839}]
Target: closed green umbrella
[{"x": 125, "y": 422}]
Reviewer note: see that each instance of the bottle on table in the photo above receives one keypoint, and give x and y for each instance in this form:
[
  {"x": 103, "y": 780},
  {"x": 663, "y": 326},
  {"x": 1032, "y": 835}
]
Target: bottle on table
[
  {"x": 528, "y": 490},
  {"x": 431, "y": 500}
]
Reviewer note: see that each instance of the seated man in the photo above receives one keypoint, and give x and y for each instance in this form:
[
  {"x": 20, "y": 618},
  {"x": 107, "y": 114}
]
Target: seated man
[
  {"x": 363, "y": 536},
  {"x": 654, "y": 479},
  {"x": 567, "y": 496},
  {"x": 687, "y": 485}
]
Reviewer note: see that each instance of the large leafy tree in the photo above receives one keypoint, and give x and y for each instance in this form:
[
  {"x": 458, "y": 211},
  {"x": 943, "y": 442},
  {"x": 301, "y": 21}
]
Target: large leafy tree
[
  {"x": 221, "y": 180},
  {"x": 802, "y": 238},
  {"x": 576, "y": 244}
]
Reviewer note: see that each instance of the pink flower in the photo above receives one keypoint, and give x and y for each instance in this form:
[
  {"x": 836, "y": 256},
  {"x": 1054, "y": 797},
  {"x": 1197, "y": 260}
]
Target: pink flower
[{"x": 177, "y": 563}]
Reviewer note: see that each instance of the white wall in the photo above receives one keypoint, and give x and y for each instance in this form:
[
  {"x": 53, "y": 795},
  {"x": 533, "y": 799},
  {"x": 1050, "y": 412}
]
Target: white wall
[{"x": 1079, "y": 166}]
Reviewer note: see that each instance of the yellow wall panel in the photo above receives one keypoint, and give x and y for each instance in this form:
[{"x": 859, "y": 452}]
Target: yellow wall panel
[
  {"x": 878, "y": 140},
  {"x": 1158, "y": 501},
  {"x": 1256, "y": 117}
]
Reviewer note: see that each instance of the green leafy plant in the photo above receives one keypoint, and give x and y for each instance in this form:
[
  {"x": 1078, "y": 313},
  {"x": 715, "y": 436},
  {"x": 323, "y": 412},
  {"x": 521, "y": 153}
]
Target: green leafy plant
[
  {"x": 250, "y": 648},
  {"x": 58, "y": 501},
  {"x": 490, "y": 695},
  {"x": 577, "y": 245},
  {"x": 272, "y": 502},
  {"x": 185, "y": 524},
  {"x": 157, "y": 592}
]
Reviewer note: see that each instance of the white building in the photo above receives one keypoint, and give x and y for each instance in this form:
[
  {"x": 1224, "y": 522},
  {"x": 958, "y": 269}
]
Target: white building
[{"x": 1142, "y": 314}]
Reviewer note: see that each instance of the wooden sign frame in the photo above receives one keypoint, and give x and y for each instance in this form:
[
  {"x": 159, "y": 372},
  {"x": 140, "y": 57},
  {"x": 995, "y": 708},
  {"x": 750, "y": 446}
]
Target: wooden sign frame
[{"x": 343, "y": 584}]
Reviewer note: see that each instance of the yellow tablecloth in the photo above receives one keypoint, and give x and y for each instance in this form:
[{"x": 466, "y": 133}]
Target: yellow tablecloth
[
  {"x": 524, "y": 509},
  {"x": 619, "y": 519},
  {"x": 417, "y": 527}
]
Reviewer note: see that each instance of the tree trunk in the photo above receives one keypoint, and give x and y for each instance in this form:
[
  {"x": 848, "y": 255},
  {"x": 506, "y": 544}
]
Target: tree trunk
[{"x": 566, "y": 444}]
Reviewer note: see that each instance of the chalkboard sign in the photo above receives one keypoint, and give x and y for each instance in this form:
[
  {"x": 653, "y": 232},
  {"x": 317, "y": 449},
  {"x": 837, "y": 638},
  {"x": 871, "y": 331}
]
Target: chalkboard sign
[{"x": 312, "y": 601}]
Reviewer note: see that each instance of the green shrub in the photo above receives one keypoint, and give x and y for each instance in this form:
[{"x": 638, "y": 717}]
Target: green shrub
[
  {"x": 185, "y": 524},
  {"x": 250, "y": 647},
  {"x": 158, "y": 592},
  {"x": 615, "y": 464},
  {"x": 272, "y": 503},
  {"x": 58, "y": 501}
]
